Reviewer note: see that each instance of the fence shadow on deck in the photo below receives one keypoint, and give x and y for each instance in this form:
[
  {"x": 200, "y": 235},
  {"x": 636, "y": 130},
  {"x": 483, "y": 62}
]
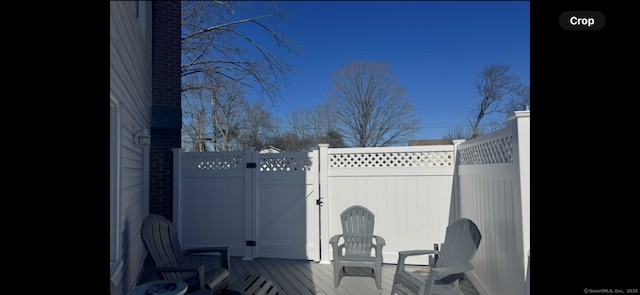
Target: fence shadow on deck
[
  {"x": 306, "y": 277},
  {"x": 303, "y": 277}
]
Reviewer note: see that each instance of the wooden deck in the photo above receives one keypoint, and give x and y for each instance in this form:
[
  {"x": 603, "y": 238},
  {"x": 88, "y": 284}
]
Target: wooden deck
[{"x": 302, "y": 277}]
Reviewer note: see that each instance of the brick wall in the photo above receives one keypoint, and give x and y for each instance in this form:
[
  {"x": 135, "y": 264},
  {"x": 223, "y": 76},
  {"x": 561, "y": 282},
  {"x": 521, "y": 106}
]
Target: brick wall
[{"x": 166, "y": 113}]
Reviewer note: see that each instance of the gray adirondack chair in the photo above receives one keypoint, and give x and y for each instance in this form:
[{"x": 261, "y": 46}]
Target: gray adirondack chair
[
  {"x": 354, "y": 246},
  {"x": 461, "y": 242},
  {"x": 199, "y": 271}
]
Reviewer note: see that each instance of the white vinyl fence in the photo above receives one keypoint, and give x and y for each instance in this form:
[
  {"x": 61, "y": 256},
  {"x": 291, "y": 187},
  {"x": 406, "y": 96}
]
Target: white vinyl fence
[
  {"x": 286, "y": 205},
  {"x": 493, "y": 190},
  {"x": 407, "y": 188},
  {"x": 260, "y": 205}
]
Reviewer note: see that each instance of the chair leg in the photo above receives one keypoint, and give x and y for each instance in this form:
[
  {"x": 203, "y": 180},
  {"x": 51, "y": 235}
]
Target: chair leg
[
  {"x": 378, "y": 275},
  {"x": 336, "y": 274},
  {"x": 395, "y": 280}
]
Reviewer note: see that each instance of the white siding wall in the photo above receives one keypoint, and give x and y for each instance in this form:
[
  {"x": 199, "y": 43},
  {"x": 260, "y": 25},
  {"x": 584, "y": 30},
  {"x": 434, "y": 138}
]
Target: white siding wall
[{"x": 130, "y": 86}]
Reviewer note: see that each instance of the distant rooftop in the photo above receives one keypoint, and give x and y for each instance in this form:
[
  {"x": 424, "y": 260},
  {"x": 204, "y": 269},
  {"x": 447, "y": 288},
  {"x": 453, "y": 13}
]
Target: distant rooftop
[
  {"x": 269, "y": 149},
  {"x": 430, "y": 142}
]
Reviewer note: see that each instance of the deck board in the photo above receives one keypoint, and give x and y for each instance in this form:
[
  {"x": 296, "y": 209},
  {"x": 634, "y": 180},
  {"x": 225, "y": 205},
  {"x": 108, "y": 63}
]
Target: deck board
[{"x": 302, "y": 277}]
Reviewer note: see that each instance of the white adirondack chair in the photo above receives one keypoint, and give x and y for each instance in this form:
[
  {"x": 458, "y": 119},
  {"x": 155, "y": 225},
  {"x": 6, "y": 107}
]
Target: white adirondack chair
[
  {"x": 354, "y": 246},
  {"x": 452, "y": 261}
]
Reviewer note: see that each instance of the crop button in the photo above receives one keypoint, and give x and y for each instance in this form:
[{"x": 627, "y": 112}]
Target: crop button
[{"x": 582, "y": 20}]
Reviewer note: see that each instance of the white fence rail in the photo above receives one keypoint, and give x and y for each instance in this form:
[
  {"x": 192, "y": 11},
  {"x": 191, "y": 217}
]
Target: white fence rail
[{"x": 415, "y": 192}]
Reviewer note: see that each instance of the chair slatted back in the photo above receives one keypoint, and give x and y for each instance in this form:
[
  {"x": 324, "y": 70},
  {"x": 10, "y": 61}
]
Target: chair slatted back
[
  {"x": 357, "y": 230},
  {"x": 460, "y": 244},
  {"x": 160, "y": 237}
]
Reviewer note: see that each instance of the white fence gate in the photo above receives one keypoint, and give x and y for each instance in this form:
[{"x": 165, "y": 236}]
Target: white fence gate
[
  {"x": 260, "y": 205},
  {"x": 286, "y": 212}
]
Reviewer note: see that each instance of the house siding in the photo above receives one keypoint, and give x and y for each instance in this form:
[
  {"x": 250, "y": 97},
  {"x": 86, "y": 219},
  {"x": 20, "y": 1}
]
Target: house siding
[{"x": 130, "y": 86}]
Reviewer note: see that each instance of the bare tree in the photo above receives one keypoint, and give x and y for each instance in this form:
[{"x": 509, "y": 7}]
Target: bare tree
[
  {"x": 290, "y": 142},
  {"x": 457, "y": 132},
  {"x": 220, "y": 59},
  {"x": 323, "y": 124},
  {"x": 333, "y": 138},
  {"x": 492, "y": 84},
  {"x": 306, "y": 128},
  {"x": 520, "y": 101},
  {"x": 212, "y": 115},
  {"x": 227, "y": 115},
  {"x": 300, "y": 122},
  {"x": 370, "y": 107},
  {"x": 256, "y": 125},
  {"x": 215, "y": 42},
  {"x": 195, "y": 121}
]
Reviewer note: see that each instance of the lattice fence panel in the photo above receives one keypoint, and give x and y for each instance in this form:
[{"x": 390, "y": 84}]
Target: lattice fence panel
[
  {"x": 392, "y": 159},
  {"x": 490, "y": 152},
  {"x": 213, "y": 163},
  {"x": 290, "y": 164}
]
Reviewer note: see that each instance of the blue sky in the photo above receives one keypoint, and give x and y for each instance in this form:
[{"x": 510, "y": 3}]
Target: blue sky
[{"x": 434, "y": 48}]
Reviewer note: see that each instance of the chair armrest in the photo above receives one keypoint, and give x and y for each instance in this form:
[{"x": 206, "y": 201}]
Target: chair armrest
[
  {"x": 337, "y": 249},
  {"x": 224, "y": 253},
  {"x": 334, "y": 240},
  {"x": 379, "y": 240},
  {"x": 378, "y": 246},
  {"x": 402, "y": 256}
]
